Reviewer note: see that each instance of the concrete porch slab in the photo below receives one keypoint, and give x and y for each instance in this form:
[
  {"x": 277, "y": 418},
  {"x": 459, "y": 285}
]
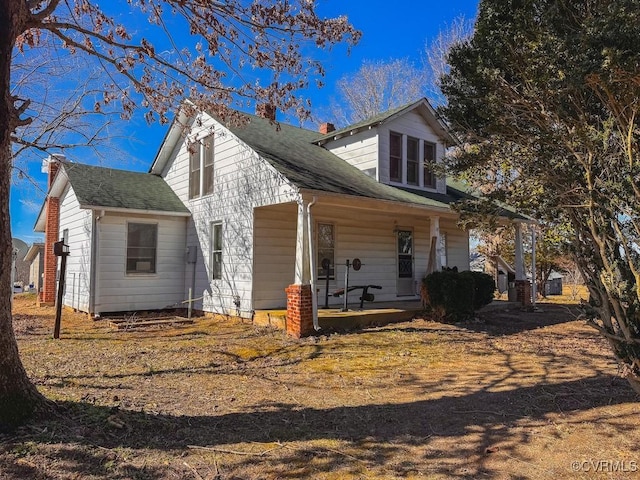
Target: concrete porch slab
[{"x": 333, "y": 319}]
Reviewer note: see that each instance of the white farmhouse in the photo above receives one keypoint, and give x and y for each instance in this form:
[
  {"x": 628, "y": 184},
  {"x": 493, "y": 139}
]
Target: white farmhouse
[{"x": 247, "y": 217}]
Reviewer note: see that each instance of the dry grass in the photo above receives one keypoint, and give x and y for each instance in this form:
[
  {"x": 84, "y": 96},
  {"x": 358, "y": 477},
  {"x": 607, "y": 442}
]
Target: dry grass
[{"x": 514, "y": 395}]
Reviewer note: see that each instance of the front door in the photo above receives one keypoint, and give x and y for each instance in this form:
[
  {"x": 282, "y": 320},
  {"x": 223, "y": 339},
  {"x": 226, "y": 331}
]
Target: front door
[{"x": 404, "y": 281}]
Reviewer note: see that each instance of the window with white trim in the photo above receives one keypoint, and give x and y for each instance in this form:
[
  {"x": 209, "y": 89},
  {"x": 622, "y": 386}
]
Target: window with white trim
[
  {"x": 142, "y": 245},
  {"x": 201, "y": 167},
  {"x": 412, "y": 160},
  {"x": 207, "y": 166},
  {"x": 215, "y": 251},
  {"x": 395, "y": 157},
  {"x": 428, "y": 160},
  {"x": 194, "y": 171}
]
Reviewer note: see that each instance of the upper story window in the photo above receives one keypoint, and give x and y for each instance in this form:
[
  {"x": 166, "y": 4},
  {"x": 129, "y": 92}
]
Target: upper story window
[
  {"x": 395, "y": 157},
  {"x": 207, "y": 174},
  {"x": 413, "y": 155},
  {"x": 412, "y": 160},
  {"x": 194, "y": 171},
  {"x": 429, "y": 159},
  {"x": 201, "y": 168}
]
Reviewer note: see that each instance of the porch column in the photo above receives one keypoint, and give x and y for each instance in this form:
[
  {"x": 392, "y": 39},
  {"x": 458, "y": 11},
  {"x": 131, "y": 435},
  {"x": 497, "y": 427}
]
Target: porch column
[
  {"x": 435, "y": 254},
  {"x": 302, "y": 271},
  {"x": 523, "y": 287},
  {"x": 519, "y": 266},
  {"x": 299, "y": 319}
]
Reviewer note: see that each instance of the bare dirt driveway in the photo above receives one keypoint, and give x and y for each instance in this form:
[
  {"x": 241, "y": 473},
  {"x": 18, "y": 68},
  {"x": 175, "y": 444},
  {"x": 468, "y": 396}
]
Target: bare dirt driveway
[{"x": 515, "y": 395}]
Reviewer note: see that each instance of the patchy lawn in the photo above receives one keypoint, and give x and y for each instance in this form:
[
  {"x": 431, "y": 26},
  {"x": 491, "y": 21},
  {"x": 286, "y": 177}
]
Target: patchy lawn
[{"x": 514, "y": 395}]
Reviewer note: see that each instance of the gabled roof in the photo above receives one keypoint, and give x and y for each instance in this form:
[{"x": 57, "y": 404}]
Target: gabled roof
[
  {"x": 110, "y": 188},
  {"x": 100, "y": 188},
  {"x": 298, "y": 155},
  {"x": 422, "y": 105},
  {"x": 33, "y": 251},
  {"x": 308, "y": 166}
]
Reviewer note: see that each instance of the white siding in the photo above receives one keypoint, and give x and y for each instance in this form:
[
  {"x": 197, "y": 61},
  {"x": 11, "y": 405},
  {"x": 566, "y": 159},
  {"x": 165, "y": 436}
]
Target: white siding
[
  {"x": 78, "y": 223},
  {"x": 274, "y": 254},
  {"x": 360, "y": 150},
  {"x": 457, "y": 245},
  {"x": 35, "y": 270},
  {"x": 242, "y": 182},
  {"x": 371, "y": 237},
  {"x": 117, "y": 291}
]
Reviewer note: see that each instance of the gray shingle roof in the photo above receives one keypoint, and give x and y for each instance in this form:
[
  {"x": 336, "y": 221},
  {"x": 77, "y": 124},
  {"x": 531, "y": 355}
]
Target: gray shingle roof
[
  {"x": 379, "y": 118},
  {"x": 112, "y": 188},
  {"x": 292, "y": 151}
]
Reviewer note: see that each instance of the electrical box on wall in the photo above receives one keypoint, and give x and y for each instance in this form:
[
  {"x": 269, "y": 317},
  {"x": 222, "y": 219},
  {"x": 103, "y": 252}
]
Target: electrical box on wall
[{"x": 192, "y": 254}]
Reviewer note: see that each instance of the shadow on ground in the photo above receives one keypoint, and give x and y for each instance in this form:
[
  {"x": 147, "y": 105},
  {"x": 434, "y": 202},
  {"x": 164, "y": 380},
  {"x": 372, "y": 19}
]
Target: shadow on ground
[
  {"x": 382, "y": 428},
  {"x": 512, "y": 320}
]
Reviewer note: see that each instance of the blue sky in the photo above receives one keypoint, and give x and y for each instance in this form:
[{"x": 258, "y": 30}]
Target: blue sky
[{"x": 390, "y": 30}]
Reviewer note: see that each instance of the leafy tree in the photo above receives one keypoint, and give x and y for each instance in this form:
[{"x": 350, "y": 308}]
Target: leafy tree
[
  {"x": 232, "y": 48},
  {"x": 552, "y": 244},
  {"x": 545, "y": 97}
]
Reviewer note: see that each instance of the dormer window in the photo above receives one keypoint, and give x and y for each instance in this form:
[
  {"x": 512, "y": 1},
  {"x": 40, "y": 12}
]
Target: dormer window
[
  {"x": 412, "y": 160},
  {"x": 429, "y": 160},
  {"x": 395, "y": 157},
  {"x": 414, "y": 156}
]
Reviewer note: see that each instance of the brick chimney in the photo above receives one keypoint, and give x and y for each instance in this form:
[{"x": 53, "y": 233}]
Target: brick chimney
[
  {"x": 266, "y": 110},
  {"x": 327, "y": 128},
  {"x": 51, "y": 233}
]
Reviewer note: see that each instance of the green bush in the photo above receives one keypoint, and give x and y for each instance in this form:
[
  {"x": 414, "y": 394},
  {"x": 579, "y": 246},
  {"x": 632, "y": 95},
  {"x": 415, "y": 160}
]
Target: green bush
[
  {"x": 485, "y": 288},
  {"x": 458, "y": 294}
]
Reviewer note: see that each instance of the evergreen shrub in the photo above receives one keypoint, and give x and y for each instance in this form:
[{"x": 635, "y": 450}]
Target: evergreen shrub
[{"x": 458, "y": 294}]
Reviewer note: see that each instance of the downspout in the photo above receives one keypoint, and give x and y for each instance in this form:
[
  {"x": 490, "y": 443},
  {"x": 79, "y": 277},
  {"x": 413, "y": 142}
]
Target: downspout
[
  {"x": 312, "y": 266},
  {"x": 94, "y": 261}
]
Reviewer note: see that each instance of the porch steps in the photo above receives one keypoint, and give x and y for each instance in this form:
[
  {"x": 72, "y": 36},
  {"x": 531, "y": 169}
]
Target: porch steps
[
  {"x": 271, "y": 318},
  {"x": 354, "y": 318}
]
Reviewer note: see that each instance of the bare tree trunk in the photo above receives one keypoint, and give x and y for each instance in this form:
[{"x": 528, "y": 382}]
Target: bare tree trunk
[{"x": 19, "y": 399}]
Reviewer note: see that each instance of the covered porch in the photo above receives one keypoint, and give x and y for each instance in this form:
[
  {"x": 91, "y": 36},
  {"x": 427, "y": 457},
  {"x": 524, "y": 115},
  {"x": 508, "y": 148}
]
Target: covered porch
[{"x": 325, "y": 242}]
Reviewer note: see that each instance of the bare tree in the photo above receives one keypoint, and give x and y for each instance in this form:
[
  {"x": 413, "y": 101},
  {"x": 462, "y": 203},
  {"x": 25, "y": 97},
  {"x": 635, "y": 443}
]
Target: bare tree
[
  {"x": 572, "y": 274},
  {"x": 376, "y": 87},
  {"x": 437, "y": 54},
  {"x": 381, "y": 85},
  {"x": 233, "y": 53}
]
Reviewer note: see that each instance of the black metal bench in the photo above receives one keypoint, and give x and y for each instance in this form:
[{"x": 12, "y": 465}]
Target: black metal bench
[{"x": 369, "y": 297}]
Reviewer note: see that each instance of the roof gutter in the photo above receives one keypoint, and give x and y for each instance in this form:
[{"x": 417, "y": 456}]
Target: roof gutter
[
  {"x": 134, "y": 211},
  {"x": 374, "y": 203}
]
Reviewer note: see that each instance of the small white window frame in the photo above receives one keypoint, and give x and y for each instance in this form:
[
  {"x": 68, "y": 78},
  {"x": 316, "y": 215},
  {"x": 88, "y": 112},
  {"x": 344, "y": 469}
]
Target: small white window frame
[
  {"x": 136, "y": 271},
  {"x": 216, "y": 263}
]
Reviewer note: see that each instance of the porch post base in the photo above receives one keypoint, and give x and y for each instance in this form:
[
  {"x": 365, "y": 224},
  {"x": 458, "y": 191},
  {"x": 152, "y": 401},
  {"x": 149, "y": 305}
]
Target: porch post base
[
  {"x": 523, "y": 292},
  {"x": 299, "y": 321}
]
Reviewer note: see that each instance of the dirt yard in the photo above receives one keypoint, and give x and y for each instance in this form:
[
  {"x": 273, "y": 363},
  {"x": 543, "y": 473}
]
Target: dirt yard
[{"x": 513, "y": 395}]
